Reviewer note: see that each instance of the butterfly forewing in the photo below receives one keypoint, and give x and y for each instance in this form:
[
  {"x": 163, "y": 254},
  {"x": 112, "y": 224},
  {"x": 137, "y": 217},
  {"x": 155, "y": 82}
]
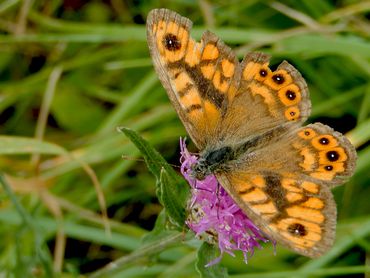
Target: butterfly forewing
[{"x": 200, "y": 78}]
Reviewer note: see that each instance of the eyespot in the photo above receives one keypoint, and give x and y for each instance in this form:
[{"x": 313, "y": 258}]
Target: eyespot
[
  {"x": 307, "y": 133},
  {"x": 171, "y": 42},
  {"x": 292, "y": 113},
  {"x": 324, "y": 141},
  {"x": 332, "y": 156},
  {"x": 290, "y": 95},
  {"x": 278, "y": 78},
  {"x": 297, "y": 229},
  {"x": 328, "y": 167},
  {"x": 263, "y": 72}
]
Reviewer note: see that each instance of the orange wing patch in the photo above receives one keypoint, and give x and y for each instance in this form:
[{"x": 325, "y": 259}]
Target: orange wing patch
[
  {"x": 314, "y": 203},
  {"x": 310, "y": 187},
  {"x": 210, "y": 52},
  {"x": 303, "y": 213},
  {"x": 291, "y": 185},
  {"x": 208, "y": 71},
  {"x": 192, "y": 55},
  {"x": 228, "y": 68},
  {"x": 309, "y": 160}
]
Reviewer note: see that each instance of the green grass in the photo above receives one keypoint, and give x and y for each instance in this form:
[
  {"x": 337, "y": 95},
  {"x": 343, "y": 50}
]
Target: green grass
[{"x": 71, "y": 72}]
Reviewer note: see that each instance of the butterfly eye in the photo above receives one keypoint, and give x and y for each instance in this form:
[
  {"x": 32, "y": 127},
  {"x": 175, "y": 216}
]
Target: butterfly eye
[{"x": 199, "y": 171}]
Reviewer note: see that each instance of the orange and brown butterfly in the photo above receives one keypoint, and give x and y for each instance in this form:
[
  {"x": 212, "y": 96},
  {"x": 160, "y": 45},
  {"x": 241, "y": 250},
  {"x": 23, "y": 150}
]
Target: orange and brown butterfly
[{"x": 246, "y": 121}]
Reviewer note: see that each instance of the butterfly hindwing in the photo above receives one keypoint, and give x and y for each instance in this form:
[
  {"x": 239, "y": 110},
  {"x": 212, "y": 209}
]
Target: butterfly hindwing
[
  {"x": 284, "y": 186},
  {"x": 298, "y": 213}
]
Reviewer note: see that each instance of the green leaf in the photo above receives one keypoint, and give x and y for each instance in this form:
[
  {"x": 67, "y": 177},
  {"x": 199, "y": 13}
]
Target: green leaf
[
  {"x": 172, "y": 190},
  {"x": 174, "y": 200},
  {"x": 15, "y": 145},
  {"x": 206, "y": 254}
]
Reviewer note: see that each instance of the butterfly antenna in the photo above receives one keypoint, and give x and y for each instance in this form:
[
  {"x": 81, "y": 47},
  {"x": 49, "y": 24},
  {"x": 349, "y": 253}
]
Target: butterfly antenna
[{"x": 127, "y": 157}]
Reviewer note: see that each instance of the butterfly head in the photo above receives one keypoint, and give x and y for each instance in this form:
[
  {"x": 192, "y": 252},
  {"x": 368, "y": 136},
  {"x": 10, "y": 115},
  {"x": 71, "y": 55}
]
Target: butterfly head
[
  {"x": 211, "y": 161},
  {"x": 200, "y": 170}
]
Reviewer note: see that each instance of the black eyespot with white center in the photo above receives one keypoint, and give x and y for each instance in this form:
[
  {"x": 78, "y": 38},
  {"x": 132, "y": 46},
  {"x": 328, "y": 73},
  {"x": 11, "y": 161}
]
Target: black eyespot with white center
[
  {"x": 278, "y": 79},
  {"x": 324, "y": 141},
  {"x": 263, "y": 72},
  {"x": 297, "y": 229},
  {"x": 171, "y": 42},
  {"x": 328, "y": 168},
  {"x": 290, "y": 95},
  {"x": 332, "y": 156}
]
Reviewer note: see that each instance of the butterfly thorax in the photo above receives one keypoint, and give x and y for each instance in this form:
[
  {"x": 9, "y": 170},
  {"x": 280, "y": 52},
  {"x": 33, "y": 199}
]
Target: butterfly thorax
[
  {"x": 216, "y": 159},
  {"x": 212, "y": 160}
]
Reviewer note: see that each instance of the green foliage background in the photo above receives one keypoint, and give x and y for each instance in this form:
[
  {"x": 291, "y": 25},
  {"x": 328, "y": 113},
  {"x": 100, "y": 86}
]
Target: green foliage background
[{"x": 72, "y": 71}]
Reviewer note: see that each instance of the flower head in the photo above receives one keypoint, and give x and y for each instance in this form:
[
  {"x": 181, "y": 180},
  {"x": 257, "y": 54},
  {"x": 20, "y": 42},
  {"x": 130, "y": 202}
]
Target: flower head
[{"x": 215, "y": 217}]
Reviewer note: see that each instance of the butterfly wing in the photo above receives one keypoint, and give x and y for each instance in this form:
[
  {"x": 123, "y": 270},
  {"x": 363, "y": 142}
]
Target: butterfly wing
[
  {"x": 200, "y": 78},
  {"x": 288, "y": 195}
]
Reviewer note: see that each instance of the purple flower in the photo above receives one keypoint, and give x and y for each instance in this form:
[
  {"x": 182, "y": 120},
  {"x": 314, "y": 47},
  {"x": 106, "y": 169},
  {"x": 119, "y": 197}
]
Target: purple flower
[{"x": 215, "y": 217}]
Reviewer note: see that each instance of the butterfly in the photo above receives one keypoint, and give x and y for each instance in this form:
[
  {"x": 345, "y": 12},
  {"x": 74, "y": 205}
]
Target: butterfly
[{"x": 247, "y": 121}]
